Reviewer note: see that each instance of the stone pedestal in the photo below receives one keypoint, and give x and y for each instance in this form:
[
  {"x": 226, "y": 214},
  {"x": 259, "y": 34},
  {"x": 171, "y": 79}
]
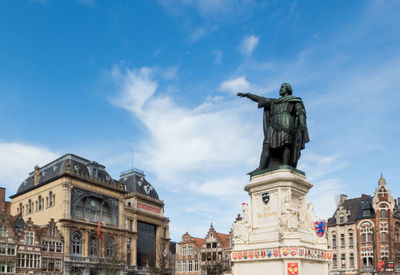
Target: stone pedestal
[{"x": 276, "y": 235}]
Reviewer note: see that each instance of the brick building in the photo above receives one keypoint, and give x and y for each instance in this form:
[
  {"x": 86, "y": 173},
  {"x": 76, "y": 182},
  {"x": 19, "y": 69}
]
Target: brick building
[
  {"x": 364, "y": 233},
  {"x": 8, "y": 240},
  {"x": 188, "y": 256},
  {"x": 211, "y": 255}
]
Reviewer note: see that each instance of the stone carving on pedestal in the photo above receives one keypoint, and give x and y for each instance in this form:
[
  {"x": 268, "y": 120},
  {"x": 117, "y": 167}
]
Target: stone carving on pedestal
[
  {"x": 289, "y": 215},
  {"x": 241, "y": 228}
]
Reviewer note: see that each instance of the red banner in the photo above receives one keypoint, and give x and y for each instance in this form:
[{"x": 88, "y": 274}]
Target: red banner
[{"x": 147, "y": 207}]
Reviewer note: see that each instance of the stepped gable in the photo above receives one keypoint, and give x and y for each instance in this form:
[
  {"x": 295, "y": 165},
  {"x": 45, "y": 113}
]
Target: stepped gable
[
  {"x": 135, "y": 181},
  {"x": 67, "y": 163}
]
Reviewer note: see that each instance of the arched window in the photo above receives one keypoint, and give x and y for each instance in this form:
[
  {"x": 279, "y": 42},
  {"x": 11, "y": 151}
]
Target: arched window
[
  {"x": 351, "y": 238},
  {"x": 334, "y": 240},
  {"x": 110, "y": 247},
  {"x": 76, "y": 243},
  {"x": 366, "y": 233},
  {"x": 93, "y": 251}
]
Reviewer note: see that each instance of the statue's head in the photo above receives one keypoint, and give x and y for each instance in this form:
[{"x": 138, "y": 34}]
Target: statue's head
[{"x": 286, "y": 89}]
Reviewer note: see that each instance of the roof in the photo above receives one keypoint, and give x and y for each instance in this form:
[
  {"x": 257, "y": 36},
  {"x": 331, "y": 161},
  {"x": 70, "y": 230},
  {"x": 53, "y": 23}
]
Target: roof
[
  {"x": 54, "y": 169},
  {"x": 199, "y": 242},
  {"x": 224, "y": 239},
  {"x": 133, "y": 179},
  {"x": 355, "y": 207}
]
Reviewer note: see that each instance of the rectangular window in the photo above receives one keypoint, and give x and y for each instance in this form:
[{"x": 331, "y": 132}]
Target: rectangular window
[
  {"x": 190, "y": 250},
  {"x": 28, "y": 238},
  {"x": 184, "y": 250},
  {"x": 196, "y": 265},
  {"x": 351, "y": 240},
  {"x": 11, "y": 249},
  {"x": 214, "y": 245},
  {"x": 128, "y": 224},
  {"x": 343, "y": 260},
  {"x": 208, "y": 245},
  {"x": 128, "y": 243},
  {"x": 334, "y": 261},
  {"x": 351, "y": 260},
  {"x": 3, "y": 231},
  {"x": 190, "y": 265},
  {"x": 342, "y": 239},
  {"x": 333, "y": 241},
  {"x": 44, "y": 264},
  {"x": 2, "y": 267},
  {"x": 58, "y": 264},
  {"x": 10, "y": 267},
  {"x": 183, "y": 265},
  {"x": 2, "y": 249},
  {"x": 58, "y": 247}
]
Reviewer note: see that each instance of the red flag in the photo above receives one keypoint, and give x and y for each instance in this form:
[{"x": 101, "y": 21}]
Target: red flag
[{"x": 99, "y": 232}]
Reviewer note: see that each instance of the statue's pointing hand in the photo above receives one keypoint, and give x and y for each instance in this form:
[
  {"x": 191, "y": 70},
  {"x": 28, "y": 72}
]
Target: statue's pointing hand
[{"x": 242, "y": 94}]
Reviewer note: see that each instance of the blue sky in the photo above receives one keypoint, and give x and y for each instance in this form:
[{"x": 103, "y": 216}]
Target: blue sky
[{"x": 102, "y": 78}]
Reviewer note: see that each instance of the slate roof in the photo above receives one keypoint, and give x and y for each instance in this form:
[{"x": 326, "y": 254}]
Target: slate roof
[
  {"x": 134, "y": 179},
  {"x": 136, "y": 182},
  {"x": 355, "y": 206}
]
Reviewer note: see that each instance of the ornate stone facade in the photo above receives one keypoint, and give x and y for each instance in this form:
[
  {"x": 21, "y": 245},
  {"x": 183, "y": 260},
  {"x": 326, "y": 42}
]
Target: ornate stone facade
[{"x": 108, "y": 225}]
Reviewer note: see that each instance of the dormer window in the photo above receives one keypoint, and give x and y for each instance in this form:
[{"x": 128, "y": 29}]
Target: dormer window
[
  {"x": 366, "y": 212},
  {"x": 341, "y": 219}
]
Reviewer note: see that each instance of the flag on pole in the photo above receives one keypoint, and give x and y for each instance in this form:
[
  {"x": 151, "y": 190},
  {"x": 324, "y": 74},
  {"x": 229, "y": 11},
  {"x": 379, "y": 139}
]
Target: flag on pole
[{"x": 99, "y": 231}]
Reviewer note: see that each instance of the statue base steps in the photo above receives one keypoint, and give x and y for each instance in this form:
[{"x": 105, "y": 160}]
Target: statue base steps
[{"x": 276, "y": 235}]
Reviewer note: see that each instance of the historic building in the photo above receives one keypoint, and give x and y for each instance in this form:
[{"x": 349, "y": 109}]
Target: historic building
[
  {"x": 210, "y": 255},
  {"x": 107, "y": 225},
  {"x": 26, "y": 248},
  {"x": 364, "y": 233},
  {"x": 188, "y": 256},
  {"x": 8, "y": 239}
]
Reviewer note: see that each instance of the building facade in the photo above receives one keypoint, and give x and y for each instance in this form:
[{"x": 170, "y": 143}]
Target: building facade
[
  {"x": 364, "y": 233},
  {"x": 108, "y": 226},
  {"x": 8, "y": 238},
  {"x": 211, "y": 255}
]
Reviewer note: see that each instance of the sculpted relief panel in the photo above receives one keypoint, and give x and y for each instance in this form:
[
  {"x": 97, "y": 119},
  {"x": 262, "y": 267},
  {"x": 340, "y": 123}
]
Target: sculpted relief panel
[{"x": 94, "y": 207}]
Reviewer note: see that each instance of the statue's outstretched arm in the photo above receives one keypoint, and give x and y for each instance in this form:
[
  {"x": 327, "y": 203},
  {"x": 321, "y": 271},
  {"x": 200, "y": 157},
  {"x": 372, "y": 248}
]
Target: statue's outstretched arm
[{"x": 253, "y": 97}]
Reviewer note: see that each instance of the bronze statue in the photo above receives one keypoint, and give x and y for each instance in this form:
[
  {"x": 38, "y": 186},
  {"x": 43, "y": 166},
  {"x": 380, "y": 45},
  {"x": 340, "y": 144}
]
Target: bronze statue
[{"x": 285, "y": 128}]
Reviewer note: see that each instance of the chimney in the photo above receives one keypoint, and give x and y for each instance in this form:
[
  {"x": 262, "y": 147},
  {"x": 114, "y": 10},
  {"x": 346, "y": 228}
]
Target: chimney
[
  {"x": 343, "y": 197},
  {"x": 2, "y": 199}
]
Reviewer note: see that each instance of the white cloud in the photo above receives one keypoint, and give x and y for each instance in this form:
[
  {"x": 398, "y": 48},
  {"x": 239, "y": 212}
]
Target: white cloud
[
  {"x": 136, "y": 87},
  {"x": 182, "y": 141},
  {"x": 234, "y": 85},
  {"x": 202, "y": 153},
  {"x": 248, "y": 44},
  {"x": 18, "y": 160}
]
